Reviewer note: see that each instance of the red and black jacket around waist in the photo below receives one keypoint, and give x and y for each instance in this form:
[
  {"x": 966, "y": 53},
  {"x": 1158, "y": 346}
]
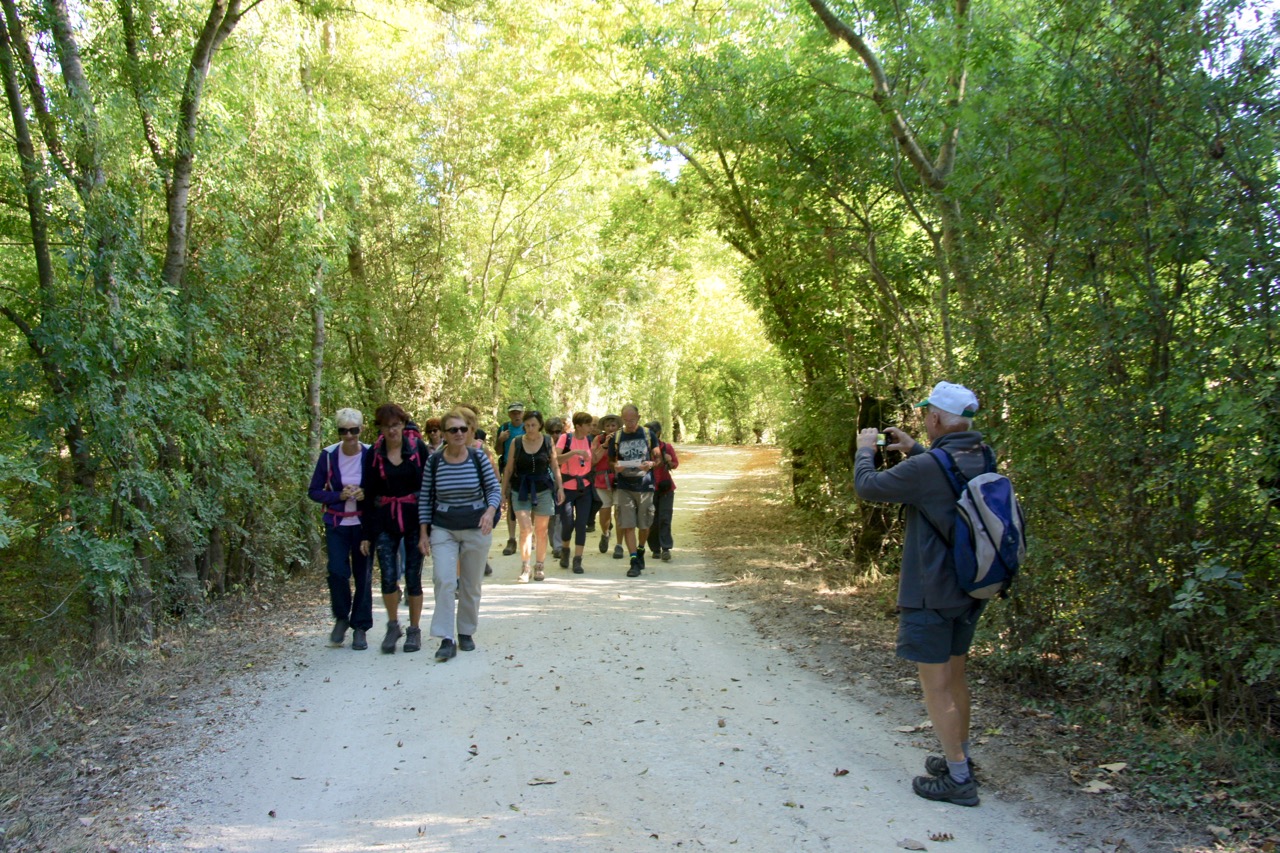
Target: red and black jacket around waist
[
  {"x": 326, "y": 484},
  {"x": 391, "y": 491}
]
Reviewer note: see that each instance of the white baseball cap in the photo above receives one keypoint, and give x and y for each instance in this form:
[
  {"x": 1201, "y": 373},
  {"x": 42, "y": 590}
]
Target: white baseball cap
[{"x": 949, "y": 397}]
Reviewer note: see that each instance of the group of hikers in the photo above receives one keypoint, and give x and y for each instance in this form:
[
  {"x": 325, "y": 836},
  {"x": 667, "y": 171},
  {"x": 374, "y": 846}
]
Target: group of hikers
[
  {"x": 615, "y": 473},
  {"x": 439, "y": 491}
]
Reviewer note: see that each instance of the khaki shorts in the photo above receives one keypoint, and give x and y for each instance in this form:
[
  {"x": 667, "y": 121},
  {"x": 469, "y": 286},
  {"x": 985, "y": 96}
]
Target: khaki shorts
[
  {"x": 634, "y": 509},
  {"x": 606, "y": 497}
]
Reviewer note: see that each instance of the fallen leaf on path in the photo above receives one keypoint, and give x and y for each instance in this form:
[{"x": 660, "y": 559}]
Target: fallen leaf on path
[
  {"x": 271, "y": 813},
  {"x": 1113, "y": 768},
  {"x": 297, "y": 778},
  {"x": 86, "y": 821},
  {"x": 911, "y": 844},
  {"x": 1096, "y": 787},
  {"x": 541, "y": 781},
  {"x": 474, "y": 750},
  {"x": 721, "y": 723},
  {"x": 1220, "y": 832},
  {"x": 941, "y": 836},
  {"x": 840, "y": 772}
]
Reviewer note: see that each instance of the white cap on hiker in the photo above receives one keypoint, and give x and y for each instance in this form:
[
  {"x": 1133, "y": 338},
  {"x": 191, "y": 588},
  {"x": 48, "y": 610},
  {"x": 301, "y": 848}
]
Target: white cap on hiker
[{"x": 949, "y": 397}]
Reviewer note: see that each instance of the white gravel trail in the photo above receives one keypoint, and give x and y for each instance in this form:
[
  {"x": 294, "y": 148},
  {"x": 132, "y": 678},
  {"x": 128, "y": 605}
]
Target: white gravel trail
[{"x": 599, "y": 713}]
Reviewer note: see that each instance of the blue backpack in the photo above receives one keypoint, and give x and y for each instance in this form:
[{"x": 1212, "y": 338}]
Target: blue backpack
[{"x": 988, "y": 545}]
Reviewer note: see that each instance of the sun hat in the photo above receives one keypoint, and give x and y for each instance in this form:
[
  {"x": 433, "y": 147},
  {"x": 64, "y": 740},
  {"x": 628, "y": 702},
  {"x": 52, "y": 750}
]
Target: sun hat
[
  {"x": 949, "y": 397},
  {"x": 615, "y": 418},
  {"x": 516, "y": 407}
]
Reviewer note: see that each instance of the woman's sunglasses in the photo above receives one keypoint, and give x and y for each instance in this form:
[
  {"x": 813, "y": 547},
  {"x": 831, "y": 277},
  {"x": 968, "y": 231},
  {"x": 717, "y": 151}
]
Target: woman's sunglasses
[
  {"x": 455, "y": 430},
  {"x": 348, "y": 430}
]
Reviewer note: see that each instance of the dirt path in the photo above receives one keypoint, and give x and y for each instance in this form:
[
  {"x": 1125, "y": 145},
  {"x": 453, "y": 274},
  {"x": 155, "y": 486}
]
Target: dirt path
[{"x": 599, "y": 713}]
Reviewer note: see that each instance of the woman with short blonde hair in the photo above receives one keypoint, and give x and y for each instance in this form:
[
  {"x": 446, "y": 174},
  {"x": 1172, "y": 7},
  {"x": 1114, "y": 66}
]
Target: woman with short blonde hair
[{"x": 337, "y": 484}]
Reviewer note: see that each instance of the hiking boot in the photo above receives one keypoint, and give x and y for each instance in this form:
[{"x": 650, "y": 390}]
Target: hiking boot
[
  {"x": 339, "y": 633},
  {"x": 564, "y": 558},
  {"x": 537, "y": 572},
  {"x": 591, "y": 527},
  {"x": 555, "y": 553},
  {"x": 524, "y": 574},
  {"x": 488, "y": 570},
  {"x": 577, "y": 565},
  {"x": 412, "y": 640},
  {"x": 936, "y": 765},
  {"x": 640, "y": 557},
  {"x": 604, "y": 542},
  {"x": 666, "y": 555},
  {"x": 617, "y": 551},
  {"x": 447, "y": 651},
  {"x": 510, "y": 549},
  {"x": 466, "y": 643},
  {"x": 389, "y": 642},
  {"x": 358, "y": 642},
  {"x": 634, "y": 571},
  {"x": 944, "y": 789}
]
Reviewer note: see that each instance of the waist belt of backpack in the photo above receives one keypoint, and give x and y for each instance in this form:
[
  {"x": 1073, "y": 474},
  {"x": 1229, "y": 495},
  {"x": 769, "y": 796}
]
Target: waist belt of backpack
[
  {"x": 468, "y": 505},
  {"x": 397, "y": 505}
]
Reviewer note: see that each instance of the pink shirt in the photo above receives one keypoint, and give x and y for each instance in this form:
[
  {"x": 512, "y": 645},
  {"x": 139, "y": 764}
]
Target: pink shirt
[
  {"x": 352, "y": 470},
  {"x": 577, "y": 466}
]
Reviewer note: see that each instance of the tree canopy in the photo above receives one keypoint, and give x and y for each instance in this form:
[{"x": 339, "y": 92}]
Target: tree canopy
[{"x": 226, "y": 219}]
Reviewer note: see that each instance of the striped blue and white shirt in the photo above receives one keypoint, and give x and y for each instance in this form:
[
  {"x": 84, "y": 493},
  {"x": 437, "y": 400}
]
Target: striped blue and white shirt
[{"x": 460, "y": 498}]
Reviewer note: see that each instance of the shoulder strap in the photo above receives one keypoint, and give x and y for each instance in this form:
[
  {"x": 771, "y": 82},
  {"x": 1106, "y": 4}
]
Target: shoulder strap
[
  {"x": 950, "y": 470},
  {"x": 475, "y": 459},
  {"x": 434, "y": 464}
]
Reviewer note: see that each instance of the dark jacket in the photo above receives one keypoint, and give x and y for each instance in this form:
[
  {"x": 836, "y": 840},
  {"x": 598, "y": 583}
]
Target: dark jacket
[
  {"x": 391, "y": 491},
  {"x": 326, "y": 482},
  {"x": 927, "y": 578}
]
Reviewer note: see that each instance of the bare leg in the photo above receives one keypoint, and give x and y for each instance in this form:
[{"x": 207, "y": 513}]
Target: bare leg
[
  {"x": 946, "y": 698},
  {"x": 540, "y": 537},
  {"x": 526, "y": 534},
  {"x": 392, "y": 602},
  {"x": 628, "y": 534},
  {"x": 415, "y": 610}
]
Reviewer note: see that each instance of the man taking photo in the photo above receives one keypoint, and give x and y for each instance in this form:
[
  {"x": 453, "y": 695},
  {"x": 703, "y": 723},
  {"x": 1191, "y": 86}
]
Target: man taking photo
[{"x": 936, "y": 618}]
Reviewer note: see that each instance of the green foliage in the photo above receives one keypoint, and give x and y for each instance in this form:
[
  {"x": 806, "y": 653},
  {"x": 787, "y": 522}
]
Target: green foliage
[{"x": 712, "y": 214}]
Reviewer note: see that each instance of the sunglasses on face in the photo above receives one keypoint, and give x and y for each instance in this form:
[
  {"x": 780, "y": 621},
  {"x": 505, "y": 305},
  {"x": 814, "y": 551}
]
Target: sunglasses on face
[
  {"x": 348, "y": 430},
  {"x": 455, "y": 430}
]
